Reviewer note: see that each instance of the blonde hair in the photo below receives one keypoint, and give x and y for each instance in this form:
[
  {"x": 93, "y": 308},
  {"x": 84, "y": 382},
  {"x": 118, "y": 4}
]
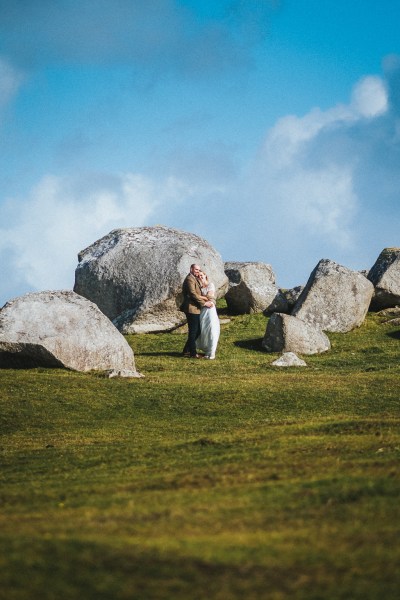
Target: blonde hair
[{"x": 204, "y": 276}]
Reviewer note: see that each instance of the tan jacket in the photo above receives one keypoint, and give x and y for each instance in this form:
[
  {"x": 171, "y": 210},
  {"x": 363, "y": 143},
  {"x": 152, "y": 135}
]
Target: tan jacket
[{"x": 192, "y": 300}]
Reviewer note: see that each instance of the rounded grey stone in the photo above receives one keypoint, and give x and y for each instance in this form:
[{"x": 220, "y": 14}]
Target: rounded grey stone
[
  {"x": 61, "y": 329},
  {"x": 135, "y": 275},
  {"x": 252, "y": 289},
  {"x": 285, "y": 333}
]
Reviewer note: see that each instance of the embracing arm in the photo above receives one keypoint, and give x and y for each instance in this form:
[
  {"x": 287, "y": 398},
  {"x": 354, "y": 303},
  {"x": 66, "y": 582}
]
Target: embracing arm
[
  {"x": 211, "y": 292},
  {"x": 193, "y": 291}
]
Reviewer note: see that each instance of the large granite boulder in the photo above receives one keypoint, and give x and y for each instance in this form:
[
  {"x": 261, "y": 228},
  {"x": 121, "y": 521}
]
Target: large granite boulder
[
  {"x": 335, "y": 298},
  {"x": 286, "y": 333},
  {"x": 252, "y": 289},
  {"x": 385, "y": 276},
  {"x": 135, "y": 275},
  {"x": 61, "y": 329}
]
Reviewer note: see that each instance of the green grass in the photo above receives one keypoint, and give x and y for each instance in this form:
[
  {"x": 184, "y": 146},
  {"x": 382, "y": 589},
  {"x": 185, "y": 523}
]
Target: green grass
[{"x": 206, "y": 479}]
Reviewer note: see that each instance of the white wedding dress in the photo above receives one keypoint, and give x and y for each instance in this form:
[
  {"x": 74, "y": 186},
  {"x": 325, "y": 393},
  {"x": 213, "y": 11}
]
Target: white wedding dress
[{"x": 209, "y": 326}]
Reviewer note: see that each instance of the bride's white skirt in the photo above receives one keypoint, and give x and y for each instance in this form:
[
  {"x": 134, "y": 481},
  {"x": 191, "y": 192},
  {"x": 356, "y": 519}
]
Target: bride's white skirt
[{"x": 210, "y": 330}]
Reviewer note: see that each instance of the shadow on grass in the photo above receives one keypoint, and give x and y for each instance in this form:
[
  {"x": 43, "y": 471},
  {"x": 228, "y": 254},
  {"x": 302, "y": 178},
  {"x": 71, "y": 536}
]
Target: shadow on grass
[
  {"x": 173, "y": 354},
  {"x": 20, "y": 367},
  {"x": 394, "y": 334},
  {"x": 254, "y": 344},
  {"x": 99, "y": 572},
  {"x": 224, "y": 312},
  {"x": 72, "y": 569},
  {"x": 21, "y": 363}
]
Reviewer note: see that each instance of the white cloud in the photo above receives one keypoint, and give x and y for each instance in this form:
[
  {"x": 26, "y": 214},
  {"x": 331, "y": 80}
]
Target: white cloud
[
  {"x": 324, "y": 185},
  {"x": 10, "y": 81},
  {"x": 64, "y": 215},
  {"x": 370, "y": 98},
  {"x": 291, "y": 134},
  {"x": 308, "y": 166},
  {"x": 321, "y": 202},
  {"x": 286, "y": 139}
]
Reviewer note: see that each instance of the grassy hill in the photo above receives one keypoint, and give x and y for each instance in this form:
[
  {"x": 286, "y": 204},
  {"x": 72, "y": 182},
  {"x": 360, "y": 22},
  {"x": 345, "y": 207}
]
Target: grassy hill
[{"x": 206, "y": 479}]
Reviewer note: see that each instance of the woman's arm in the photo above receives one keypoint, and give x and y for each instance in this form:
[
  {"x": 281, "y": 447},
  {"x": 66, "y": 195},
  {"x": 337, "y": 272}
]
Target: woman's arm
[{"x": 211, "y": 291}]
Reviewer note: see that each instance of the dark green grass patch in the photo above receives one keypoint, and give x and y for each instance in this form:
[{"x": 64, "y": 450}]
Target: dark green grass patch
[{"x": 206, "y": 479}]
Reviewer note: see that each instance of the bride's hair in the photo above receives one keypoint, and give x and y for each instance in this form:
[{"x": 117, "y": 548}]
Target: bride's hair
[{"x": 204, "y": 277}]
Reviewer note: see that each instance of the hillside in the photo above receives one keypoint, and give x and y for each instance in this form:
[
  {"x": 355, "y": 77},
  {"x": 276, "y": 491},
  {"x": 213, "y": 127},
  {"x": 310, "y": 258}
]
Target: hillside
[{"x": 206, "y": 479}]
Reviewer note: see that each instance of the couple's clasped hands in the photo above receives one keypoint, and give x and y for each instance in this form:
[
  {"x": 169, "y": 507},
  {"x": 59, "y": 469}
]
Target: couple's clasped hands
[{"x": 208, "y": 303}]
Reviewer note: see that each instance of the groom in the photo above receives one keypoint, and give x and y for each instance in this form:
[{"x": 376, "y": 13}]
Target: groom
[{"x": 191, "y": 306}]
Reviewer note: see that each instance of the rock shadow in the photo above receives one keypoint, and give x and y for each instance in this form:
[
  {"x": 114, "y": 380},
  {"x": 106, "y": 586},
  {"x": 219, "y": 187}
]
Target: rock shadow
[
  {"x": 394, "y": 334},
  {"x": 174, "y": 354},
  {"x": 254, "y": 344}
]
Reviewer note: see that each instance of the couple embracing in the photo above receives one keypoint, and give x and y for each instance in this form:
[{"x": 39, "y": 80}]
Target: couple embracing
[{"x": 199, "y": 307}]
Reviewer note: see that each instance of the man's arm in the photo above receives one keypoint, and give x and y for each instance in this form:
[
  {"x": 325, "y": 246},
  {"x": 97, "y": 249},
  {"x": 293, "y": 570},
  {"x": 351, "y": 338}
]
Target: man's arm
[{"x": 193, "y": 292}]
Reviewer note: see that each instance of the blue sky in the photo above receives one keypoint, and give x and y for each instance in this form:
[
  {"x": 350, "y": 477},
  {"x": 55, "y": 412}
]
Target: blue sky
[{"x": 271, "y": 128}]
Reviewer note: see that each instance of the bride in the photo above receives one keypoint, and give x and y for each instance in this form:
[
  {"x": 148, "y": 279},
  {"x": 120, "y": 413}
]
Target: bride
[{"x": 209, "y": 321}]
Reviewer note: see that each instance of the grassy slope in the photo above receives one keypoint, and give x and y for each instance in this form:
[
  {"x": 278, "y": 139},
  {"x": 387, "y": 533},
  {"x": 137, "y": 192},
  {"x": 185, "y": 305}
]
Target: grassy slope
[{"x": 207, "y": 479}]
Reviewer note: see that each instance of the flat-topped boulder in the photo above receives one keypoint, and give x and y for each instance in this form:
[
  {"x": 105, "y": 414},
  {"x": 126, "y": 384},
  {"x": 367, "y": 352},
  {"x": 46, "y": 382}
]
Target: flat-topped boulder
[
  {"x": 285, "y": 333},
  {"x": 135, "y": 275},
  {"x": 61, "y": 329},
  {"x": 385, "y": 276},
  {"x": 335, "y": 298},
  {"x": 252, "y": 289}
]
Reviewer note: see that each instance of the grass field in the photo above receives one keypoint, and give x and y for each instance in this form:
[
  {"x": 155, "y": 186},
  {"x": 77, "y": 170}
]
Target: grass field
[{"x": 206, "y": 479}]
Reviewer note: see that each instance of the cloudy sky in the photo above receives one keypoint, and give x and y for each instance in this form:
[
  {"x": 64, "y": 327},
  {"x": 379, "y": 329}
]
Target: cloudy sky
[{"x": 269, "y": 127}]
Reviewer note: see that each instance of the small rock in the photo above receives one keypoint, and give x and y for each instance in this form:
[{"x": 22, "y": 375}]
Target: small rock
[
  {"x": 123, "y": 373},
  {"x": 390, "y": 312},
  {"x": 395, "y": 321},
  {"x": 293, "y": 295},
  {"x": 289, "y": 359},
  {"x": 224, "y": 321}
]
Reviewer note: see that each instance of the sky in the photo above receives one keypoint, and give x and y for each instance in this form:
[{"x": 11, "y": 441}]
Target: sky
[{"x": 271, "y": 128}]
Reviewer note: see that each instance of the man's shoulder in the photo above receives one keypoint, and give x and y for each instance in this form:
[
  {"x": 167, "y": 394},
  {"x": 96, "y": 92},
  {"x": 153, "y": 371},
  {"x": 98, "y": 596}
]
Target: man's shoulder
[{"x": 189, "y": 281}]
